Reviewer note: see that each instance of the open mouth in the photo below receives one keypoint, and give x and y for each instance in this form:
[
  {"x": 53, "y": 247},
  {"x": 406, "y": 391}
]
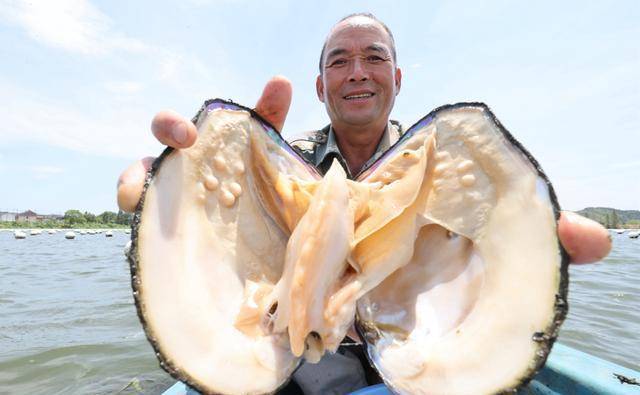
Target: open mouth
[{"x": 359, "y": 96}]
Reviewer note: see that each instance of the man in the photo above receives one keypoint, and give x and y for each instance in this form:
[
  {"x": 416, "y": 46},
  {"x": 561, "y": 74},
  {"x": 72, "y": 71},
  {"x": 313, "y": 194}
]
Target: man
[{"x": 358, "y": 82}]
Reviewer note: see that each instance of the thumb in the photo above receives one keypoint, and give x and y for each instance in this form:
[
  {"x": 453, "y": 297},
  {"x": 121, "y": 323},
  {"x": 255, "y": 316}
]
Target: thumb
[
  {"x": 585, "y": 240},
  {"x": 274, "y": 103}
]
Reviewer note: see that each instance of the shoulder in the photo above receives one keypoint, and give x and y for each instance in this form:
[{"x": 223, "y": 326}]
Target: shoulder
[{"x": 306, "y": 143}]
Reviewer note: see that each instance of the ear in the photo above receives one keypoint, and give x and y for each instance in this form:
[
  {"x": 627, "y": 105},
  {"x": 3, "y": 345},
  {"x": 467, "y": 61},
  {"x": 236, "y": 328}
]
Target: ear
[
  {"x": 398, "y": 78},
  {"x": 320, "y": 88}
]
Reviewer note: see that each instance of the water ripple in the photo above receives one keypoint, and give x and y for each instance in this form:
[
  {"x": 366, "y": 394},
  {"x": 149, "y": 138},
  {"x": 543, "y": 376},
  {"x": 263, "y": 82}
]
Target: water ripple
[{"x": 68, "y": 324}]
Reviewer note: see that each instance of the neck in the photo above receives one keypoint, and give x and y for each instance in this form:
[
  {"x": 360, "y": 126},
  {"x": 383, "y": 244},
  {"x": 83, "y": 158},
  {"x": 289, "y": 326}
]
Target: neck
[{"x": 358, "y": 145}]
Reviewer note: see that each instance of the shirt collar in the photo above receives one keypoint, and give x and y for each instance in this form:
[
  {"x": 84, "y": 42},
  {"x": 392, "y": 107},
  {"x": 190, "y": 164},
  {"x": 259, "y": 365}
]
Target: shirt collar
[{"x": 330, "y": 148}]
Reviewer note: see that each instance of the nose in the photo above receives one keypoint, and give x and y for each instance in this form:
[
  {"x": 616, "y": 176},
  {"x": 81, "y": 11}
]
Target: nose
[{"x": 358, "y": 70}]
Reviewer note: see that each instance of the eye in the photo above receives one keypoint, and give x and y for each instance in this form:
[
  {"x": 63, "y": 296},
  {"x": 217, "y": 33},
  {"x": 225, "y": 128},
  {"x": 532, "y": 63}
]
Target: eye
[
  {"x": 374, "y": 59},
  {"x": 338, "y": 62}
]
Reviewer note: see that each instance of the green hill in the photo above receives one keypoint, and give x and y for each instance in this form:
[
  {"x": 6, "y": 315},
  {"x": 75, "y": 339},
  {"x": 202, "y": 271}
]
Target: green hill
[{"x": 611, "y": 217}]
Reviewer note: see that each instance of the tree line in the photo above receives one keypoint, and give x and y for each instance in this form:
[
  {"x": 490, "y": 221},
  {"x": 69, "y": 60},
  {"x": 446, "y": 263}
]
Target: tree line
[
  {"x": 78, "y": 219},
  {"x": 611, "y": 220}
]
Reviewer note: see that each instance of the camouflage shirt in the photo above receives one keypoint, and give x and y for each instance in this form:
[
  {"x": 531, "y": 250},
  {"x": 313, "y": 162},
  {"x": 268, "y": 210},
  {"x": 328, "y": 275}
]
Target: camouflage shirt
[{"x": 320, "y": 147}]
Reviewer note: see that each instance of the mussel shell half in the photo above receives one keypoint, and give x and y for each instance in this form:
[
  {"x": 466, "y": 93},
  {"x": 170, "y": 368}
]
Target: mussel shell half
[{"x": 480, "y": 303}]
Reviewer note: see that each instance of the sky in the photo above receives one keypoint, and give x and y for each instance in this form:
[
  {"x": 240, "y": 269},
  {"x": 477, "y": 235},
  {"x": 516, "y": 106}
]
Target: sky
[{"x": 81, "y": 80}]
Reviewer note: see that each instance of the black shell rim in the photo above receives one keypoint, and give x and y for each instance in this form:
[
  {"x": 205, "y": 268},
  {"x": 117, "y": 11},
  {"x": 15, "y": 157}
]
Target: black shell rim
[
  {"x": 547, "y": 338},
  {"x": 259, "y": 117},
  {"x": 133, "y": 257},
  {"x": 550, "y": 333}
]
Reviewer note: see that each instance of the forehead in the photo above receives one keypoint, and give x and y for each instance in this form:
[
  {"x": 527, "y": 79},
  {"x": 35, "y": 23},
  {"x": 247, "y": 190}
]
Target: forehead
[{"x": 357, "y": 33}]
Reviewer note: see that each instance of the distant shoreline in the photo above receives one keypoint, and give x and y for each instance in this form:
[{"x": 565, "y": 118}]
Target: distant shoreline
[
  {"x": 87, "y": 226},
  {"x": 612, "y": 218},
  {"x": 72, "y": 219}
]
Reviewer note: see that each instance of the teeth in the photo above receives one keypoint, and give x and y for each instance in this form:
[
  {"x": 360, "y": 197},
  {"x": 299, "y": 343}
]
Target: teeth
[{"x": 359, "y": 96}]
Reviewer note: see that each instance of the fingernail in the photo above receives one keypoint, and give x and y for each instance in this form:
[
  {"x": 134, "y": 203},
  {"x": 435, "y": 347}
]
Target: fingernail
[
  {"x": 576, "y": 219},
  {"x": 180, "y": 132}
]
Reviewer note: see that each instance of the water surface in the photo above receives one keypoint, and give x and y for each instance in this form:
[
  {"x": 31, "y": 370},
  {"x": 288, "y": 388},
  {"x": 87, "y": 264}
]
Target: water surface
[{"x": 68, "y": 323}]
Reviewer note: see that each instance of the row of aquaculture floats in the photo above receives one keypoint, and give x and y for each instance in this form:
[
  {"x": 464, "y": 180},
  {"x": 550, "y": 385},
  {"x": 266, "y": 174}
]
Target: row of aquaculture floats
[
  {"x": 70, "y": 234},
  {"x": 632, "y": 233},
  {"x": 22, "y": 234}
]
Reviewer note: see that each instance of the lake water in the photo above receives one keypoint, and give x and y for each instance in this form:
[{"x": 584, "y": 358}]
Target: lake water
[{"x": 68, "y": 323}]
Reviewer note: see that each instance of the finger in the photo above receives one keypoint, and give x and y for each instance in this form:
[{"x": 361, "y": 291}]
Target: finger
[
  {"x": 275, "y": 101},
  {"x": 585, "y": 240},
  {"x": 131, "y": 183},
  {"x": 173, "y": 130}
]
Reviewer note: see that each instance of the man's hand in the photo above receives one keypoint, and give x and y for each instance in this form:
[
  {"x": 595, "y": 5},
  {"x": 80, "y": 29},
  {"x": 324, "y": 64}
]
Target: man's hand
[
  {"x": 175, "y": 131},
  {"x": 585, "y": 240}
]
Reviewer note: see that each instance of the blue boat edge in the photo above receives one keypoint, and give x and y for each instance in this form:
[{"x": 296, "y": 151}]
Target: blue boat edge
[{"x": 567, "y": 371}]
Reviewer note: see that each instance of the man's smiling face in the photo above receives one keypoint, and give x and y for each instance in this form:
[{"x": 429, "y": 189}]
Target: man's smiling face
[{"x": 359, "y": 79}]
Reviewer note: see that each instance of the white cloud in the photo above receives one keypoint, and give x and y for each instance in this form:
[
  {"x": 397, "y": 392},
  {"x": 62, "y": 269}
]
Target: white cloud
[
  {"x": 123, "y": 87},
  {"x": 72, "y": 25},
  {"x": 186, "y": 73},
  {"x": 115, "y": 122},
  {"x": 626, "y": 165},
  {"x": 204, "y": 3},
  {"x": 117, "y": 131},
  {"x": 45, "y": 171},
  {"x": 78, "y": 26}
]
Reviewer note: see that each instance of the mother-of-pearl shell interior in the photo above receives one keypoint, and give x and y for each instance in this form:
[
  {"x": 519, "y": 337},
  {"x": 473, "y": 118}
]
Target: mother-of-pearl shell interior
[{"x": 246, "y": 259}]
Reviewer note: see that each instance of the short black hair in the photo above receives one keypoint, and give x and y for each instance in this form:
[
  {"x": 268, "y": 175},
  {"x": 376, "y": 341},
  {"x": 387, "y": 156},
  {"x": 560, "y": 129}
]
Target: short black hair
[{"x": 373, "y": 18}]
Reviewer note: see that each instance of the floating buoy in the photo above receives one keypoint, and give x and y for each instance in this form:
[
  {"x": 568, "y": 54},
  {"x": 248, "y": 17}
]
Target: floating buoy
[
  {"x": 18, "y": 234},
  {"x": 108, "y": 234},
  {"x": 70, "y": 235}
]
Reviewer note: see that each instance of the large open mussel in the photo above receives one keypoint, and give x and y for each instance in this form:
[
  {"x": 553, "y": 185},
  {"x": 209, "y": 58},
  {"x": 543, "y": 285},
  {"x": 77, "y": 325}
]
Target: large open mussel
[{"x": 444, "y": 253}]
